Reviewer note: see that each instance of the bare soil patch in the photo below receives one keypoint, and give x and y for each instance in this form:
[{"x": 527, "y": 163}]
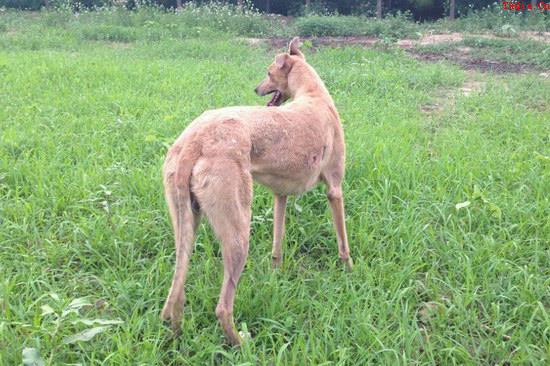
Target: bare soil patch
[
  {"x": 536, "y": 36},
  {"x": 434, "y": 39},
  {"x": 460, "y": 55},
  {"x": 444, "y": 98},
  {"x": 278, "y": 43},
  {"x": 430, "y": 39},
  {"x": 426, "y": 40},
  {"x": 472, "y": 87}
]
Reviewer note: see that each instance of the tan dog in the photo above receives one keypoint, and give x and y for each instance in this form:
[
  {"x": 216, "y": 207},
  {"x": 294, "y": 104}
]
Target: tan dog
[{"x": 210, "y": 169}]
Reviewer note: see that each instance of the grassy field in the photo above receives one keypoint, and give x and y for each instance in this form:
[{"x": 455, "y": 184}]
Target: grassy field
[{"x": 448, "y": 208}]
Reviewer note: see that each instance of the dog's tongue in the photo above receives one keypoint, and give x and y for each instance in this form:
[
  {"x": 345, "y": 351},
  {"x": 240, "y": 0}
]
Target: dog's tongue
[{"x": 274, "y": 99}]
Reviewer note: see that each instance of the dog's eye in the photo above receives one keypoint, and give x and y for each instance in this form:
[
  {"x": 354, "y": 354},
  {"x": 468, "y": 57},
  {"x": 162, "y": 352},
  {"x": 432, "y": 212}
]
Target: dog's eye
[{"x": 269, "y": 74}]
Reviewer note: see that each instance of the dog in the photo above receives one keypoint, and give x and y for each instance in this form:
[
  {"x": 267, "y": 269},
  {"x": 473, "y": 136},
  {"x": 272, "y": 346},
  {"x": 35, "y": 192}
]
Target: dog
[{"x": 210, "y": 168}]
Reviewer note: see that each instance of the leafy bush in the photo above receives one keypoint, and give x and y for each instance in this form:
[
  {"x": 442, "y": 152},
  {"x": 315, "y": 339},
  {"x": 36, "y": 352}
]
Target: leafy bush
[
  {"x": 22, "y": 4},
  {"x": 496, "y": 19},
  {"x": 392, "y": 26},
  {"x": 225, "y": 18},
  {"x": 109, "y": 33},
  {"x": 317, "y": 25},
  {"x": 153, "y": 22}
]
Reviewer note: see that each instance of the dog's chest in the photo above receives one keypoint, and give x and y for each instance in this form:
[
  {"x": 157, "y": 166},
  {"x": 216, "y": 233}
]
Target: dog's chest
[
  {"x": 289, "y": 151},
  {"x": 285, "y": 185},
  {"x": 293, "y": 170}
]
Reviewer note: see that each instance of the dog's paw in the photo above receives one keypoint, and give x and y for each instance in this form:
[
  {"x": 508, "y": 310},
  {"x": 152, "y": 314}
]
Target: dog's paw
[
  {"x": 348, "y": 263},
  {"x": 166, "y": 312},
  {"x": 276, "y": 262}
]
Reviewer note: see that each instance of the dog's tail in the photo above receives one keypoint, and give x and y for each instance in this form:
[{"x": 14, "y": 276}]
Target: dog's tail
[{"x": 177, "y": 186}]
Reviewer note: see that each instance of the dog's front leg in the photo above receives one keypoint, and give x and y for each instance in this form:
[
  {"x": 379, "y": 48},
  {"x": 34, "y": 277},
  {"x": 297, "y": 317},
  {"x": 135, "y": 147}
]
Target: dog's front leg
[
  {"x": 279, "y": 208},
  {"x": 336, "y": 200}
]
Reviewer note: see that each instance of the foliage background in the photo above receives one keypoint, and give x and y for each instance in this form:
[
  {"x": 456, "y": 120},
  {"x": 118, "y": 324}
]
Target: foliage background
[{"x": 420, "y": 9}]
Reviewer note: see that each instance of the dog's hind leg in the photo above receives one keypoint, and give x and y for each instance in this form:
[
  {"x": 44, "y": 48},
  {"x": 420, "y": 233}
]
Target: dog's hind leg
[
  {"x": 224, "y": 192},
  {"x": 279, "y": 207},
  {"x": 184, "y": 222}
]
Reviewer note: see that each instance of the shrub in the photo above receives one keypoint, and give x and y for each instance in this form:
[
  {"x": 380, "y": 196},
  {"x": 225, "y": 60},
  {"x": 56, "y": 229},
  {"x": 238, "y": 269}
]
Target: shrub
[
  {"x": 496, "y": 19},
  {"x": 317, "y": 25},
  {"x": 392, "y": 26},
  {"x": 228, "y": 18},
  {"x": 109, "y": 33},
  {"x": 22, "y": 4}
]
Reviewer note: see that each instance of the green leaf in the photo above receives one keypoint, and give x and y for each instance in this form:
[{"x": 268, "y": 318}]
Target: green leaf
[
  {"x": 75, "y": 306},
  {"x": 460, "y": 205},
  {"x": 31, "y": 357},
  {"x": 150, "y": 138},
  {"x": 98, "y": 321},
  {"x": 85, "y": 335},
  {"x": 495, "y": 211},
  {"x": 477, "y": 193},
  {"x": 78, "y": 303},
  {"x": 47, "y": 309},
  {"x": 541, "y": 157}
]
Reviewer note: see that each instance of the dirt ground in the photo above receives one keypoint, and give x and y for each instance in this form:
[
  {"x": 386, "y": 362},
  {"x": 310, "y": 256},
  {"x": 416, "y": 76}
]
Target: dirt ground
[{"x": 459, "y": 55}]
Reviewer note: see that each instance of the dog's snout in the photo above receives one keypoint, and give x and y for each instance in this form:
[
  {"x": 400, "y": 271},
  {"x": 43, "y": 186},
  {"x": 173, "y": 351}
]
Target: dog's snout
[{"x": 259, "y": 90}]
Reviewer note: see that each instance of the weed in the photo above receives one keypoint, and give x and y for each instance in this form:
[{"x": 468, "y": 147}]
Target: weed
[{"x": 84, "y": 127}]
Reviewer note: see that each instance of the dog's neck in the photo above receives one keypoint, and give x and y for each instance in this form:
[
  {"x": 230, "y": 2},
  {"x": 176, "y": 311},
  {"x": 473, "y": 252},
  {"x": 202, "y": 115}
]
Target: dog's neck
[{"x": 303, "y": 81}]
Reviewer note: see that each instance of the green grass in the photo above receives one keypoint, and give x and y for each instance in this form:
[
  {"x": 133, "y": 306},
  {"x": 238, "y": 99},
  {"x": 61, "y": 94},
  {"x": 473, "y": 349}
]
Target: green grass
[
  {"x": 495, "y": 20},
  {"x": 84, "y": 126},
  {"x": 514, "y": 51},
  {"x": 149, "y": 23}
]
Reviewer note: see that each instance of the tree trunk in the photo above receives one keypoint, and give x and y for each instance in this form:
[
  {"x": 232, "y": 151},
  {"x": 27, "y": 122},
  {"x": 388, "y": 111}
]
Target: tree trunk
[
  {"x": 46, "y": 3},
  {"x": 379, "y": 9},
  {"x": 533, "y": 4},
  {"x": 452, "y": 10},
  {"x": 178, "y": 4},
  {"x": 240, "y": 3},
  {"x": 268, "y": 6}
]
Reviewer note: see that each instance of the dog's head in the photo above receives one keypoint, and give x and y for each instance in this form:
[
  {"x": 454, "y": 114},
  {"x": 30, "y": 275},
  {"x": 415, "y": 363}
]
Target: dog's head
[{"x": 276, "y": 81}]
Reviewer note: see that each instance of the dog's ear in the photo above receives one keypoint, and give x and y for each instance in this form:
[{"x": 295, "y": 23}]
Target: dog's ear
[
  {"x": 293, "y": 48},
  {"x": 282, "y": 60}
]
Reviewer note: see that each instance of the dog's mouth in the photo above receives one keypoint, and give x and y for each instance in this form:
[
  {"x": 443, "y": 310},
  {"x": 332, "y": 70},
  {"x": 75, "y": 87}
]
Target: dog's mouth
[{"x": 276, "y": 99}]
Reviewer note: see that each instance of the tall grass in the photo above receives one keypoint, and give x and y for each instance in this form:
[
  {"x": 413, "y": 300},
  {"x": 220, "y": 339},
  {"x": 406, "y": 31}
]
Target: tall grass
[
  {"x": 495, "y": 19},
  {"x": 448, "y": 213},
  {"x": 153, "y": 23},
  {"x": 396, "y": 26}
]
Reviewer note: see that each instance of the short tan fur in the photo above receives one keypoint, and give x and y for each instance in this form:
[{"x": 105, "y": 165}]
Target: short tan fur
[{"x": 210, "y": 168}]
